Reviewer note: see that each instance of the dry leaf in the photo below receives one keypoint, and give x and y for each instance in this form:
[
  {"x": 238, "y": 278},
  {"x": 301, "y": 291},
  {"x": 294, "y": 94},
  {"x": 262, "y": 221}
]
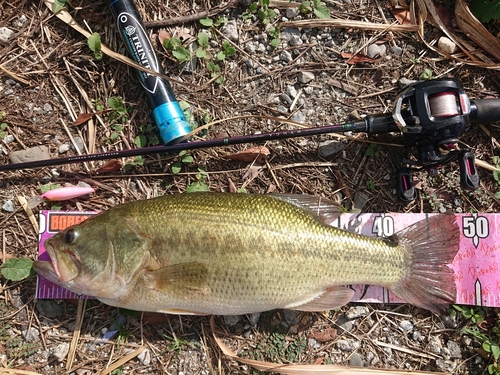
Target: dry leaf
[
  {"x": 475, "y": 29},
  {"x": 232, "y": 186},
  {"x": 114, "y": 165},
  {"x": 254, "y": 154},
  {"x": 323, "y": 336},
  {"x": 162, "y": 35},
  {"x": 402, "y": 15},
  {"x": 252, "y": 172},
  {"x": 357, "y": 59},
  {"x": 84, "y": 117}
]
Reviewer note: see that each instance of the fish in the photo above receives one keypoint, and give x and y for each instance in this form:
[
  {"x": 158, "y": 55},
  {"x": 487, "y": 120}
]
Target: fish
[{"x": 230, "y": 254}]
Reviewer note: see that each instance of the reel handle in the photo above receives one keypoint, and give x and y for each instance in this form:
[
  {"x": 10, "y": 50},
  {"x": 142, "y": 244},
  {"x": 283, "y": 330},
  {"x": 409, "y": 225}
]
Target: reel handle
[{"x": 485, "y": 111}]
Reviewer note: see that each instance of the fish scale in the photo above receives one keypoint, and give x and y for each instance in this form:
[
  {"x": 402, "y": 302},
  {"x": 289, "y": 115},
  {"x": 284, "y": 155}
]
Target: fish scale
[{"x": 220, "y": 253}]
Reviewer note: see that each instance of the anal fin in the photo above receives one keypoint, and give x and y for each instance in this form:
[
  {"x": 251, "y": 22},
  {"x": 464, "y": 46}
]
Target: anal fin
[{"x": 333, "y": 297}]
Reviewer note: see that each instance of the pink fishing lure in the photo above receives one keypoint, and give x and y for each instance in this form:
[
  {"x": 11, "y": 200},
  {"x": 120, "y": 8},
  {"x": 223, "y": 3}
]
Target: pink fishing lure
[
  {"x": 65, "y": 193},
  {"x": 60, "y": 194}
]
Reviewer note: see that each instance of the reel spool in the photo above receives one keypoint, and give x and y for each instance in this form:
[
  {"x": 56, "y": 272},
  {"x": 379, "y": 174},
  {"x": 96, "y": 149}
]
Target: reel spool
[{"x": 432, "y": 115}]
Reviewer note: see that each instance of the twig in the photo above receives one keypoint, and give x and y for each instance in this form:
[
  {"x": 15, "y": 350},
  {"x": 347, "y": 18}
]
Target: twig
[
  {"x": 76, "y": 334},
  {"x": 192, "y": 17}
]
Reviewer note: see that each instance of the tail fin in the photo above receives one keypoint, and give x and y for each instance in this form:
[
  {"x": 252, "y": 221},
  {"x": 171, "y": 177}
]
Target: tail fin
[{"x": 432, "y": 244}]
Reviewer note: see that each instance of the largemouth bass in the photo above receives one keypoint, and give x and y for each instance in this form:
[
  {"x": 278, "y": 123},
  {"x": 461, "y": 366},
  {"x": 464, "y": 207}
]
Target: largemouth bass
[{"x": 222, "y": 253}]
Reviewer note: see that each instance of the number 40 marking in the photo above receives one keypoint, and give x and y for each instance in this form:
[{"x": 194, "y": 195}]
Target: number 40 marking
[{"x": 383, "y": 226}]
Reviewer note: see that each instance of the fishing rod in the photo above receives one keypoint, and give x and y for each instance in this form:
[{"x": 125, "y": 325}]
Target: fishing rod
[{"x": 431, "y": 115}]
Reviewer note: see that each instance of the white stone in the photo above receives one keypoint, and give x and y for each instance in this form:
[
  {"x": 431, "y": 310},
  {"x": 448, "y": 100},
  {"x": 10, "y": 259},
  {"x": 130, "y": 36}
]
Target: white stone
[{"x": 446, "y": 45}]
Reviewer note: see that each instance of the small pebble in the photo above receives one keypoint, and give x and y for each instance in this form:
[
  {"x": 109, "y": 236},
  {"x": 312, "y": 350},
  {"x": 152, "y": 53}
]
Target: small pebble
[
  {"x": 357, "y": 312},
  {"x": 49, "y": 308},
  {"x": 9, "y": 139},
  {"x": 63, "y": 148},
  {"x": 60, "y": 351},
  {"x": 231, "y": 320},
  {"x": 406, "y": 325},
  {"x": 145, "y": 358},
  {"x": 446, "y": 45},
  {"x": 5, "y": 34},
  {"x": 285, "y": 98},
  {"x": 305, "y": 77},
  {"x": 454, "y": 348},
  {"x": 31, "y": 335},
  {"x": 344, "y": 345},
  {"x": 356, "y": 360},
  {"x": 396, "y": 50},
  {"x": 230, "y": 30},
  {"x": 344, "y": 323},
  {"x": 329, "y": 148},
  {"x": 79, "y": 144},
  {"x": 30, "y": 154},
  {"x": 8, "y": 206},
  {"x": 299, "y": 116}
]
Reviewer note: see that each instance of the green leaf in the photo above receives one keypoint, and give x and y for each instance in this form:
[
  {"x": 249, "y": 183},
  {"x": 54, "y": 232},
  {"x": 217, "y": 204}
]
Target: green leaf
[
  {"x": 176, "y": 167},
  {"x": 496, "y": 175},
  {"x": 275, "y": 42},
  {"x": 58, "y": 5},
  {"x": 94, "y": 43},
  {"x": 50, "y": 186},
  {"x": 485, "y": 10},
  {"x": 140, "y": 141},
  {"x": 197, "y": 186},
  {"x": 221, "y": 56},
  {"x": 495, "y": 351},
  {"x": 201, "y": 53},
  {"x": 17, "y": 269},
  {"x": 115, "y": 102},
  {"x": 497, "y": 195},
  {"x": 181, "y": 54},
  {"x": 322, "y": 11},
  {"x": 202, "y": 39},
  {"x": 187, "y": 159},
  {"x": 207, "y": 22}
]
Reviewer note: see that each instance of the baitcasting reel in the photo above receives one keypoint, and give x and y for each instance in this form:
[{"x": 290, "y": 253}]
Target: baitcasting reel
[{"x": 432, "y": 115}]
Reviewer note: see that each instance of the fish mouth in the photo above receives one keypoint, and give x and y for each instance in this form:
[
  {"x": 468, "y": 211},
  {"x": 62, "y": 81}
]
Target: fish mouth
[{"x": 62, "y": 267}]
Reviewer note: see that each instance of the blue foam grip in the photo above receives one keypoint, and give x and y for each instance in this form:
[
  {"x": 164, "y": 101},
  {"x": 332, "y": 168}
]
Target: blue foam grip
[{"x": 171, "y": 121}]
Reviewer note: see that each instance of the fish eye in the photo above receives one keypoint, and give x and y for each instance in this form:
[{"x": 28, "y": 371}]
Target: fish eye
[{"x": 70, "y": 236}]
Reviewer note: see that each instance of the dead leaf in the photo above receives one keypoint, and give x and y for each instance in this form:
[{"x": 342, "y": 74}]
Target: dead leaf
[
  {"x": 162, "y": 35},
  {"x": 252, "y": 172},
  {"x": 232, "y": 186},
  {"x": 271, "y": 189},
  {"x": 475, "y": 30},
  {"x": 402, "y": 15},
  {"x": 254, "y": 154},
  {"x": 7, "y": 256},
  {"x": 114, "y": 165},
  {"x": 377, "y": 76},
  {"x": 82, "y": 119},
  {"x": 357, "y": 58},
  {"x": 323, "y": 336}
]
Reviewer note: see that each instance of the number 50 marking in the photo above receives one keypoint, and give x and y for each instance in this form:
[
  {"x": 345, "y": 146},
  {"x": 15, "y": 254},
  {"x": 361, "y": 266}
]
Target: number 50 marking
[{"x": 475, "y": 227}]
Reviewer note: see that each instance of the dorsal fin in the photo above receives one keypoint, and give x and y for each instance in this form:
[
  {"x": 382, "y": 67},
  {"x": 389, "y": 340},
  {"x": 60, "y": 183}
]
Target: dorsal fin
[{"x": 325, "y": 210}]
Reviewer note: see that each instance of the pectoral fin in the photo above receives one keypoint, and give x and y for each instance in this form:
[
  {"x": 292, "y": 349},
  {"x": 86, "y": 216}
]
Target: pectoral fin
[
  {"x": 332, "y": 298},
  {"x": 180, "y": 279}
]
